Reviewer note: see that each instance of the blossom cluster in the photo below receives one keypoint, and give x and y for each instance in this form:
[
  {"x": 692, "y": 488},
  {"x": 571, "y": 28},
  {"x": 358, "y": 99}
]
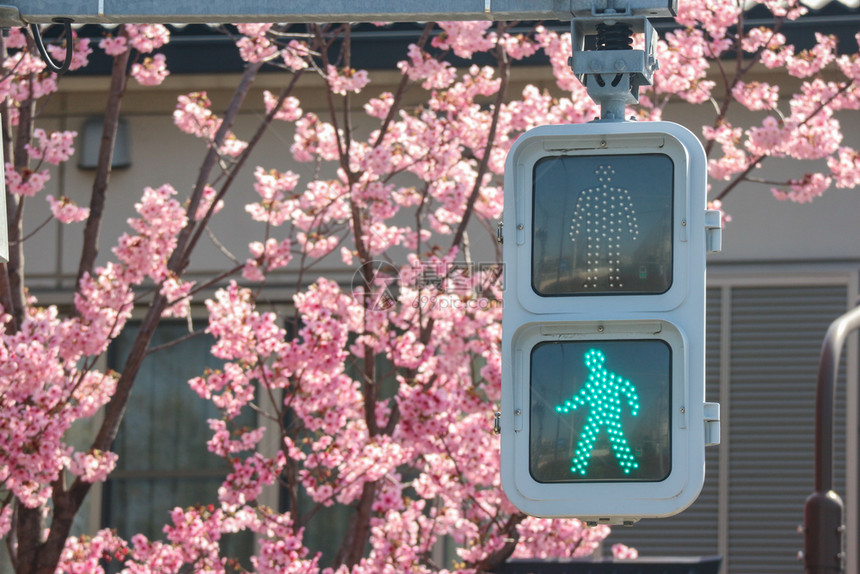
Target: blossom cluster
[
  {"x": 48, "y": 379},
  {"x": 436, "y": 422},
  {"x": 193, "y": 115},
  {"x": 803, "y": 126},
  {"x": 144, "y": 39}
]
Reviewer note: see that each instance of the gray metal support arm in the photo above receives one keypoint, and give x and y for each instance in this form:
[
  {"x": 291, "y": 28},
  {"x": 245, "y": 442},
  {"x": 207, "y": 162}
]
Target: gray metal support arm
[{"x": 17, "y": 12}]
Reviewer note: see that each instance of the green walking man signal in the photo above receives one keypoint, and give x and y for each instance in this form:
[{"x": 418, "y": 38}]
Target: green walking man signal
[{"x": 602, "y": 395}]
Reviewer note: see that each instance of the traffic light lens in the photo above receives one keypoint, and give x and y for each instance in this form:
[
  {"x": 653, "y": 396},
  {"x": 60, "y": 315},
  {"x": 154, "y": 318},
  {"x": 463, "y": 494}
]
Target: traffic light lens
[
  {"x": 602, "y": 225},
  {"x": 600, "y": 410}
]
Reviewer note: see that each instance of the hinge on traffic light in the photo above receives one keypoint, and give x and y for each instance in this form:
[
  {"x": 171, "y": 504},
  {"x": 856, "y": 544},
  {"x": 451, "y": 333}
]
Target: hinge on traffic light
[
  {"x": 713, "y": 231},
  {"x": 712, "y": 424}
]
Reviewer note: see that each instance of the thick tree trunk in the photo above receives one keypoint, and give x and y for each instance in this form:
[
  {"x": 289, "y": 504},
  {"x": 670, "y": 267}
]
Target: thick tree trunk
[{"x": 352, "y": 548}]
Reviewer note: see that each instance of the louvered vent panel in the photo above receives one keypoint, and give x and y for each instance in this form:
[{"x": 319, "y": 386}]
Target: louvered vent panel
[{"x": 775, "y": 343}]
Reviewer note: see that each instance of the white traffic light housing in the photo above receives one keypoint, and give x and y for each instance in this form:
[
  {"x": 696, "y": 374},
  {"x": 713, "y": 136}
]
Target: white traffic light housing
[{"x": 603, "y": 404}]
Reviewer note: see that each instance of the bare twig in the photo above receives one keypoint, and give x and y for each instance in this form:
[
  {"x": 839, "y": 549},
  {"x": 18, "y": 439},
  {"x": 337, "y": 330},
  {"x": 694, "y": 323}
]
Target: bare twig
[{"x": 504, "y": 69}]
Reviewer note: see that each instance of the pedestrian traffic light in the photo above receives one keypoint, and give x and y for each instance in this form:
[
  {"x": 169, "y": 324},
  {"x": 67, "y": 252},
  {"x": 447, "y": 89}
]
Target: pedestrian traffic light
[{"x": 603, "y": 411}]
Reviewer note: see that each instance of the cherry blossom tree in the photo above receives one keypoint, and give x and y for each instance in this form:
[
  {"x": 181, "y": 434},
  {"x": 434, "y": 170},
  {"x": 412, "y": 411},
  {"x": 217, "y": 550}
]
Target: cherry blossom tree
[{"x": 382, "y": 399}]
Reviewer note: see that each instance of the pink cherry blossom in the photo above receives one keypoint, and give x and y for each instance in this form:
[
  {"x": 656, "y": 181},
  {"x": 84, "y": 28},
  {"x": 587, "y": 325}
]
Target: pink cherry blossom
[
  {"x": 289, "y": 111},
  {"x": 193, "y": 115},
  {"x": 790, "y": 10},
  {"x": 176, "y": 291},
  {"x": 804, "y": 190},
  {"x": 623, "y": 552},
  {"x": 161, "y": 219},
  {"x": 54, "y": 148},
  {"x": 519, "y": 46},
  {"x": 378, "y": 107},
  {"x": 341, "y": 81},
  {"x": 540, "y": 542},
  {"x": 559, "y": 48},
  {"x": 5, "y": 519},
  {"x": 114, "y": 45},
  {"x": 421, "y": 66},
  {"x": 314, "y": 137},
  {"x": 295, "y": 55},
  {"x": 684, "y": 65},
  {"x": 770, "y": 138},
  {"x": 756, "y": 95},
  {"x": 254, "y": 45},
  {"x": 146, "y": 38},
  {"x": 845, "y": 168},
  {"x": 65, "y": 210},
  {"x": 80, "y": 52},
  {"x": 87, "y": 554},
  {"x": 28, "y": 183},
  {"x": 152, "y": 71},
  {"x": 809, "y": 62},
  {"x": 206, "y": 203},
  {"x": 465, "y": 38},
  {"x": 16, "y": 39},
  {"x": 233, "y": 146},
  {"x": 93, "y": 466},
  {"x": 850, "y": 64}
]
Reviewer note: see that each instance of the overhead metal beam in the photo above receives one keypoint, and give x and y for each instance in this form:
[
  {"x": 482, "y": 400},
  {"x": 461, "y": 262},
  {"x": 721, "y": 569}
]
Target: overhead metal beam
[{"x": 18, "y": 12}]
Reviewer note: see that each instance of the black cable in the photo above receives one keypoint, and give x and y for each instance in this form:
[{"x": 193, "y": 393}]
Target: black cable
[{"x": 46, "y": 57}]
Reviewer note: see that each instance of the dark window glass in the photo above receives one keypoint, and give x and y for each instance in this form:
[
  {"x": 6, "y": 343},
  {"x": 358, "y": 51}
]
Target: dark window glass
[{"x": 602, "y": 225}]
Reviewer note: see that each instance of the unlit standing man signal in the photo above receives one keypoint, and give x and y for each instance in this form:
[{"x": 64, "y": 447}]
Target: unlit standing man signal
[{"x": 603, "y": 213}]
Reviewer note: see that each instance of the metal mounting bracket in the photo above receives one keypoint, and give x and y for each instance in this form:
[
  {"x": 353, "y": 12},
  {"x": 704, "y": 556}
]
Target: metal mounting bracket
[
  {"x": 646, "y": 8},
  {"x": 613, "y": 73},
  {"x": 10, "y": 16}
]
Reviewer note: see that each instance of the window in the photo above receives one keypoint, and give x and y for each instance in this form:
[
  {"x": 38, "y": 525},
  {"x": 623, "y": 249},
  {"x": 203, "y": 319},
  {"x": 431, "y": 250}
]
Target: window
[{"x": 163, "y": 461}]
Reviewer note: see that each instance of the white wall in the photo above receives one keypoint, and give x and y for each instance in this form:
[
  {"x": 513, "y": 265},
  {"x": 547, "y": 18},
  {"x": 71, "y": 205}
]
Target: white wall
[{"x": 762, "y": 228}]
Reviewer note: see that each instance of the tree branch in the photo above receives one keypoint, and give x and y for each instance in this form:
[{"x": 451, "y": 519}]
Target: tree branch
[
  {"x": 252, "y": 144},
  {"x": 181, "y": 255},
  {"x": 504, "y": 73},
  {"x": 758, "y": 159},
  {"x": 118, "y": 82}
]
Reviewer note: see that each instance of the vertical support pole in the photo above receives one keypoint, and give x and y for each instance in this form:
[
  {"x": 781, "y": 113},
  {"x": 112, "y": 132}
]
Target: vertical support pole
[{"x": 823, "y": 547}]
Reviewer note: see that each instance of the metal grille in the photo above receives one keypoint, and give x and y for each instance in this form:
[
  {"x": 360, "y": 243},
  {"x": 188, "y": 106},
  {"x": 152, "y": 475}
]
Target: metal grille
[
  {"x": 767, "y": 421},
  {"x": 776, "y": 339}
]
